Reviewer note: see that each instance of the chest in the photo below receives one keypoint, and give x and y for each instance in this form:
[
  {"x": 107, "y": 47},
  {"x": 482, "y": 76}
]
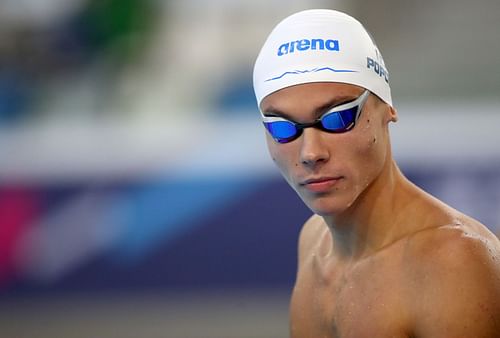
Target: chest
[{"x": 365, "y": 301}]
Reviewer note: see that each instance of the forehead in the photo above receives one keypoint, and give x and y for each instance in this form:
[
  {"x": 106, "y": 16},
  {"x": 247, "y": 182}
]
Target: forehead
[{"x": 309, "y": 95}]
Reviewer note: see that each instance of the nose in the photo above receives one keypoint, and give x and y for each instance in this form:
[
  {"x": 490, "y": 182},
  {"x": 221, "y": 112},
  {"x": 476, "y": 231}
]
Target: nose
[{"x": 314, "y": 149}]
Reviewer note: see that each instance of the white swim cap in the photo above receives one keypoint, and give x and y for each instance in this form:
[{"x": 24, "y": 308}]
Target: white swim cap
[{"x": 320, "y": 45}]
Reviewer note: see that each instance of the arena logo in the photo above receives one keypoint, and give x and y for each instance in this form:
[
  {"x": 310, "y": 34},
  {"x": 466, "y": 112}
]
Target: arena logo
[
  {"x": 305, "y": 44},
  {"x": 377, "y": 68}
]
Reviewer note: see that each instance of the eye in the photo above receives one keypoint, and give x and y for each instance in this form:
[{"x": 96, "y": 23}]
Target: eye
[
  {"x": 281, "y": 129},
  {"x": 332, "y": 121}
]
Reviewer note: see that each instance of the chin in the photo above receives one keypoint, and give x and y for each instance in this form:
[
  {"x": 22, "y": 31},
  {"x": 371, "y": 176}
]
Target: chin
[{"x": 327, "y": 205}]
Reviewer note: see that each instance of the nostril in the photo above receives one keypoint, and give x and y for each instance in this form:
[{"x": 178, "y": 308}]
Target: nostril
[
  {"x": 313, "y": 161},
  {"x": 312, "y": 158}
]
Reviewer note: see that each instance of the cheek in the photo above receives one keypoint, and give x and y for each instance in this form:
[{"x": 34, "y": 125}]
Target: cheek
[
  {"x": 370, "y": 139},
  {"x": 368, "y": 154},
  {"x": 282, "y": 156},
  {"x": 372, "y": 152}
]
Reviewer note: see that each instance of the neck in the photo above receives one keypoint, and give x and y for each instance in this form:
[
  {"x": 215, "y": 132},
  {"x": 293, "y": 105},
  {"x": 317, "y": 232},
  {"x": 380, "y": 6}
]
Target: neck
[{"x": 374, "y": 220}]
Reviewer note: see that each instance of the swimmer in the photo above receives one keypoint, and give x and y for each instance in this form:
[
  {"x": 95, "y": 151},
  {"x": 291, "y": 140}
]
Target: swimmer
[{"x": 380, "y": 257}]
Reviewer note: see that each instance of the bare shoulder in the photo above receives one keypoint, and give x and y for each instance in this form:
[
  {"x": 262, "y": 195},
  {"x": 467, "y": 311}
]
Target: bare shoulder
[
  {"x": 310, "y": 233},
  {"x": 464, "y": 241},
  {"x": 455, "y": 274}
]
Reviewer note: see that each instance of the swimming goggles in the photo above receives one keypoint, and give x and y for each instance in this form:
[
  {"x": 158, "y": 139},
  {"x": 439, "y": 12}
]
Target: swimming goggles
[{"x": 339, "y": 119}]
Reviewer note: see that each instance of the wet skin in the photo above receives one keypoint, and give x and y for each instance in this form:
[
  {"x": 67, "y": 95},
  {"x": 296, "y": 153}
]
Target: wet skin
[{"x": 380, "y": 257}]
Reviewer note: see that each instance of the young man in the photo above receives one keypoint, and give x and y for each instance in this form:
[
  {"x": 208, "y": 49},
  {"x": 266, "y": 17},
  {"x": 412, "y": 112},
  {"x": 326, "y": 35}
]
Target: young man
[{"x": 380, "y": 258}]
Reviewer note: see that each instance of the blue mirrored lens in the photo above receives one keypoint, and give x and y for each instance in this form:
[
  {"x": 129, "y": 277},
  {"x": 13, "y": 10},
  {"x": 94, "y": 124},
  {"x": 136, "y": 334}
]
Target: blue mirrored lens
[
  {"x": 281, "y": 129},
  {"x": 339, "y": 121}
]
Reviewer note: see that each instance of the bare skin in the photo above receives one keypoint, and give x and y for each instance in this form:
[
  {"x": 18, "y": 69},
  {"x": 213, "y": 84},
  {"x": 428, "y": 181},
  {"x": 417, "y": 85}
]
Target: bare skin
[{"x": 380, "y": 257}]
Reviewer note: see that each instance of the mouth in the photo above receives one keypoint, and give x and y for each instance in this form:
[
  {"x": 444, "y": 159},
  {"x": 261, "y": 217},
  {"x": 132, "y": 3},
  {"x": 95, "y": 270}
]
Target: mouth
[{"x": 321, "y": 184}]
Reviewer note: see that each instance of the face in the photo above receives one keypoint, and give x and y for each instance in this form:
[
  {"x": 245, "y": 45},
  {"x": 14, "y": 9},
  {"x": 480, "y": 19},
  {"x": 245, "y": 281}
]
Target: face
[{"x": 330, "y": 171}]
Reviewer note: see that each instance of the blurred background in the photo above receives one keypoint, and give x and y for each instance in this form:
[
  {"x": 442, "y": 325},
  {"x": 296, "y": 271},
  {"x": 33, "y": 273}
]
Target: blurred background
[{"x": 137, "y": 198}]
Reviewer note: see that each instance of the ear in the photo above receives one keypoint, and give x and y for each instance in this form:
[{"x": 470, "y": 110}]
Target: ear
[{"x": 392, "y": 114}]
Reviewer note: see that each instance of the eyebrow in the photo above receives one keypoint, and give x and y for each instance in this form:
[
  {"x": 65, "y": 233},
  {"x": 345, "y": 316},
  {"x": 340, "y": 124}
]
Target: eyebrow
[{"x": 318, "y": 111}]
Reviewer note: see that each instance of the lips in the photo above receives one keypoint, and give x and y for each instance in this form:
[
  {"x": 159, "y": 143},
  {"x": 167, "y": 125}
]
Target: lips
[{"x": 321, "y": 184}]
